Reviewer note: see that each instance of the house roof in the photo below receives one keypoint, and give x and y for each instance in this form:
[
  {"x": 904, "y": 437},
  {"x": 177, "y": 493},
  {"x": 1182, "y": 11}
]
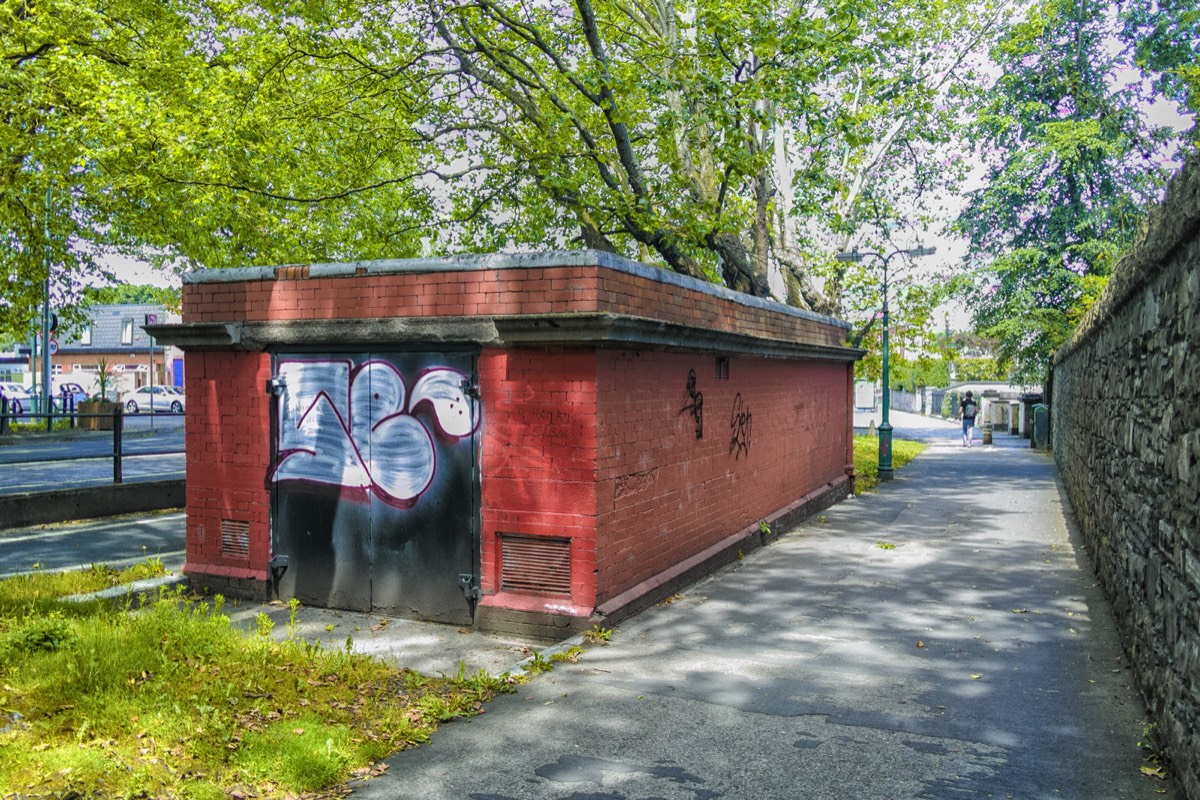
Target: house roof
[{"x": 109, "y": 321}]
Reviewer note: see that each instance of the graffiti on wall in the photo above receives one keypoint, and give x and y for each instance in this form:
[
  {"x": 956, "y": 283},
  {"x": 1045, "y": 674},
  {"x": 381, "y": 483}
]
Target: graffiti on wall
[
  {"x": 356, "y": 426},
  {"x": 740, "y": 423},
  {"x": 696, "y": 406}
]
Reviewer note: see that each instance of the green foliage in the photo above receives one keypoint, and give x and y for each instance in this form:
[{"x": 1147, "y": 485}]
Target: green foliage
[
  {"x": 568, "y": 656},
  {"x": 139, "y": 294},
  {"x": 1071, "y": 168},
  {"x": 1165, "y": 37},
  {"x": 703, "y": 136},
  {"x": 910, "y": 375},
  {"x": 305, "y": 754},
  {"x": 598, "y": 635}
]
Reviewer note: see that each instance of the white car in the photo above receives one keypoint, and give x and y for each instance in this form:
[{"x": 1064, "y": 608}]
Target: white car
[
  {"x": 18, "y": 398},
  {"x": 154, "y": 398}
]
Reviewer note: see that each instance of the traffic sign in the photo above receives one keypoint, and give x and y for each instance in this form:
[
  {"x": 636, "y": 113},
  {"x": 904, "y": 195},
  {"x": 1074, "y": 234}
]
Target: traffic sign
[{"x": 54, "y": 347}]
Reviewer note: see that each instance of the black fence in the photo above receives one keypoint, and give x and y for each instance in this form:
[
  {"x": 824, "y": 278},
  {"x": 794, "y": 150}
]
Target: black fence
[{"x": 104, "y": 420}]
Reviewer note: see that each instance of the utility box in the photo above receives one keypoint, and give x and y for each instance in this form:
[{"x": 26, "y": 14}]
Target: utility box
[
  {"x": 864, "y": 396},
  {"x": 1041, "y": 427},
  {"x": 521, "y": 442}
]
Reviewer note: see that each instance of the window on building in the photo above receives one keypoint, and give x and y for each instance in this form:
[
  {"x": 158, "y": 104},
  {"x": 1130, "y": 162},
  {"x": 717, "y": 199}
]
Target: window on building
[
  {"x": 126, "y": 331},
  {"x": 85, "y": 336}
]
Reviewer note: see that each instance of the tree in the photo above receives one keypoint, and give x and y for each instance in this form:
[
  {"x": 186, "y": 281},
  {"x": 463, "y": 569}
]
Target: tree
[
  {"x": 1164, "y": 37},
  {"x": 197, "y": 132},
  {"x": 128, "y": 293},
  {"x": 898, "y": 152},
  {"x": 1072, "y": 164},
  {"x": 214, "y": 133}
]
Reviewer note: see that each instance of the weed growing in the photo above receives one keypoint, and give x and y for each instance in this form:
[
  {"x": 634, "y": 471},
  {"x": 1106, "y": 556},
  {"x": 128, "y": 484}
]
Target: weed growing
[
  {"x": 598, "y": 635},
  {"x": 171, "y": 700}
]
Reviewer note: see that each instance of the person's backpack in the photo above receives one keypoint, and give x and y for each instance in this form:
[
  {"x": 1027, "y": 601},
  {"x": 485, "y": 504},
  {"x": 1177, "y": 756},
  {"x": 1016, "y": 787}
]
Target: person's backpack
[{"x": 969, "y": 409}]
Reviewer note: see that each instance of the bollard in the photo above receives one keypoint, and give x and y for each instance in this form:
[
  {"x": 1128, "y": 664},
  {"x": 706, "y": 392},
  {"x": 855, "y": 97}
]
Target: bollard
[{"x": 118, "y": 427}]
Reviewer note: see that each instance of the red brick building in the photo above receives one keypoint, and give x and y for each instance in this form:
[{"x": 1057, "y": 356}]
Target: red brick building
[{"x": 523, "y": 440}]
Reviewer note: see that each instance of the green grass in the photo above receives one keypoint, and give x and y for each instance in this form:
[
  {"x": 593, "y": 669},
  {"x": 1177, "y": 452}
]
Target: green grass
[
  {"x": 866, "y": 459},
  {"x": 38, "y": 590},
  {"x": 171, "y": 700}
]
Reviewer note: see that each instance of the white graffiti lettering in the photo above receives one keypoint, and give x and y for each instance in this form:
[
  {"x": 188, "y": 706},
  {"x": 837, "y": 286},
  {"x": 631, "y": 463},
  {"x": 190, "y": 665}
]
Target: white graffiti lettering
[{"x": 354, "y": 427}]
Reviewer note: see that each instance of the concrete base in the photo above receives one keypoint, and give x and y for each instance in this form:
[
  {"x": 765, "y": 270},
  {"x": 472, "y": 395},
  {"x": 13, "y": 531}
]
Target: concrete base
[{"x": 41, "y": 508}]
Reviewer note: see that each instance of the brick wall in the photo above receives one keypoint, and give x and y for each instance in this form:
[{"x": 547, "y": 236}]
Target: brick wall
[
  {"x": 538, "y": 461},
  {"x": 772, "y": 432},
  {"x": 228, "y": 455},
  {"x": 1126, "y": 434}
]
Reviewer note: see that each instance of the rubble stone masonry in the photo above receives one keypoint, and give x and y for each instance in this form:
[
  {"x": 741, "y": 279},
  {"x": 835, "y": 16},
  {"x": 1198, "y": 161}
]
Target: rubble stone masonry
[{"x": 1126, "y": 434}]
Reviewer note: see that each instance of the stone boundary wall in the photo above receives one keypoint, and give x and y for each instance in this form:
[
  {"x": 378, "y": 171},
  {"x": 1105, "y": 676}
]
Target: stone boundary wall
[{"x": 1126, "y": 436}]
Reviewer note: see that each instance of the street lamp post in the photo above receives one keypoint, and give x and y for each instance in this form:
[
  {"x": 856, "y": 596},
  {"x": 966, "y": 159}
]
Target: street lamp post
[{"x": 885, "y": 428}]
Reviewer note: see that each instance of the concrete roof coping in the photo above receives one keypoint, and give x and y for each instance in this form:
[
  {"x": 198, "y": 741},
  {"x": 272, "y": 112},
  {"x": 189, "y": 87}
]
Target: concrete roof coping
[{"x": 493, "y": 261}]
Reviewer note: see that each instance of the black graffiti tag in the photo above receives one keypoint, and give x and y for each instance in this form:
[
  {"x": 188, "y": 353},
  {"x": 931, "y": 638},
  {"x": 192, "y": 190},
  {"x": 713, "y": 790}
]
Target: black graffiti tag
[
  {"x": 696, "y": 407},
  {"x": 740, "y": 423}
]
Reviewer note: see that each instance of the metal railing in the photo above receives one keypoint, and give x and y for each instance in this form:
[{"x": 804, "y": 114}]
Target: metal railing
[{"x": 104, "y": 420}]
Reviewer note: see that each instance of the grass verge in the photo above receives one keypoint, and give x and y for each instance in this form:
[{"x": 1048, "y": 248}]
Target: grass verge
[
  {"x": 866, "y": 459},
  {"x": 171, "y": 700}
]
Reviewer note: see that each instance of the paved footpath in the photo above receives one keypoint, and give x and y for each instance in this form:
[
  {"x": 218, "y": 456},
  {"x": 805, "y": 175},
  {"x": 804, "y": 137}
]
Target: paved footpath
[{"x": 942, "y": 638}]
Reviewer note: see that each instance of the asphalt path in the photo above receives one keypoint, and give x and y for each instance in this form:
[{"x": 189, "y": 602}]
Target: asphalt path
[
  {"x": 941, "y": 638},
  {"x": 116, "y": 541},
  {"x": 152, "y": 449}
]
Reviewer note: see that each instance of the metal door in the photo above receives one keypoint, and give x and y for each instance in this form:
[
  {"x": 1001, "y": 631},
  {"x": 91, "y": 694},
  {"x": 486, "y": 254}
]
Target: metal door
[{"x": 375, "y": 482}]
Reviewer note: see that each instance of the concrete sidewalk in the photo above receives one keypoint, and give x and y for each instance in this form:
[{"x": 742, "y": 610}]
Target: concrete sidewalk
[{"x": 941, "y": 638}]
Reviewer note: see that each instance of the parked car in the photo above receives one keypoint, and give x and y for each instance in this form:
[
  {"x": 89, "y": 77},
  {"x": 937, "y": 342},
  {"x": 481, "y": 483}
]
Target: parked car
[
  {"x": 18, "y": 398},
  {"x": 154, "y": 398},
  {"x": 69, "y": 390}
]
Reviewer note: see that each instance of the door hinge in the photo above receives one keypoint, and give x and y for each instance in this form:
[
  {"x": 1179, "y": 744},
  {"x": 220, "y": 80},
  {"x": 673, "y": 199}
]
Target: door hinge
[
  {"x": 466, "y": 582},
  {"x": 470, "y": 387}
]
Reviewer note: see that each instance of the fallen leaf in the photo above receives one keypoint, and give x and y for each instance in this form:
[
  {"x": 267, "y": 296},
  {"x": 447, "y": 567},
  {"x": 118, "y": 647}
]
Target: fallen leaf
[
  {"x": 1154, "y": 772},
  {"x": 976, "y": 677},
  {"x": 299, "y": 731},
  {"x": 920, "y": 644}
]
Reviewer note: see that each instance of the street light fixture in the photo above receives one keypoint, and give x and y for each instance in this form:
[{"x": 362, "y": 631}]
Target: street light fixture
[{"x": 885, "y": 428}]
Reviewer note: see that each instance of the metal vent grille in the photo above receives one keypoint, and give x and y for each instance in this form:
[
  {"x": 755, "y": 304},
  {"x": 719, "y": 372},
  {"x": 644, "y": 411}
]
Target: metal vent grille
[
  {"x": 235, "y": 538},
  {"x": 529, "y": 564}
]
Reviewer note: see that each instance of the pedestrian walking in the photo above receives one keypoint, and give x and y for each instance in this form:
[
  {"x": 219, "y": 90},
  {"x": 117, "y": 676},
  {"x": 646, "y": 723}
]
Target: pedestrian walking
[{"x": 968, "y": 410}]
